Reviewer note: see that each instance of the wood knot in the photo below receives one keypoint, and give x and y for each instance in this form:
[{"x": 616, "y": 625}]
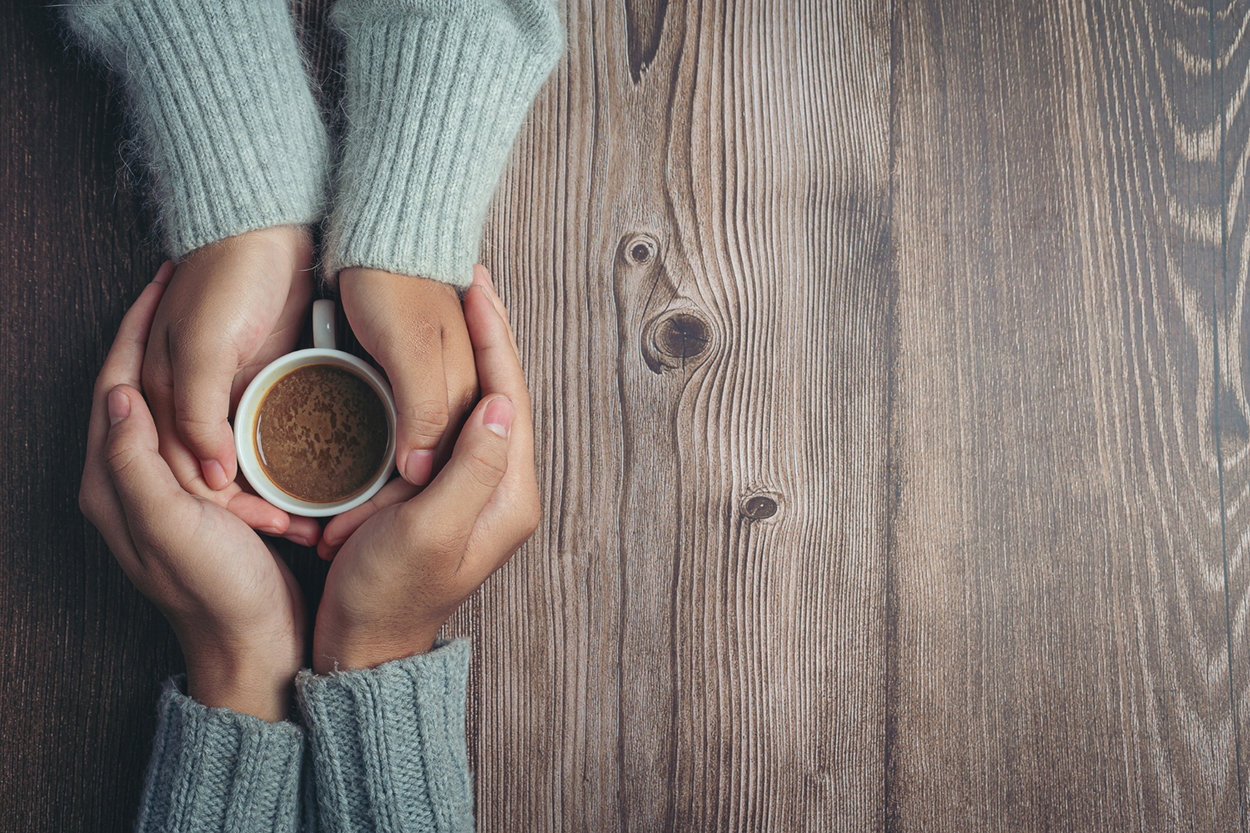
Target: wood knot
[
  {"x": 675, "y": 338},
  {"x": 758, "y": 507},
  {"x": 640, "y": 250}
]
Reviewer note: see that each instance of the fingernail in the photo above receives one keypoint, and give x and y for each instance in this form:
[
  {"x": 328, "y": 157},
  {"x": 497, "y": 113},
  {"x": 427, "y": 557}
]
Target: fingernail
[
  {"x": 301, "y": 540},
  {"x": 331, "y": 540},
  {"x": 418, "y": 466},
  {"x": 269, "y": 530},
  {"x": 214, "y": 474},
  {"x": 498, "y": 416},
  {"x": 119, "y": 407}
]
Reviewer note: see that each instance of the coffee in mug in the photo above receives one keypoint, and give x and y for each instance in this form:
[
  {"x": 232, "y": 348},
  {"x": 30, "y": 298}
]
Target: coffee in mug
[
  {"x": 321, "y": 433},
  {"x": 315, "y": 430}
]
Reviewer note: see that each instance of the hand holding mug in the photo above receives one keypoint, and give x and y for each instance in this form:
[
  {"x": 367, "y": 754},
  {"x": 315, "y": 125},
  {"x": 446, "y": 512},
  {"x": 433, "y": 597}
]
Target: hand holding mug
[
  {"x": 230, "y": 308},
  {"x": 415, "y": 329},
  {"x": 234, "y": 605},
  {"x": 411, "y": 561}
]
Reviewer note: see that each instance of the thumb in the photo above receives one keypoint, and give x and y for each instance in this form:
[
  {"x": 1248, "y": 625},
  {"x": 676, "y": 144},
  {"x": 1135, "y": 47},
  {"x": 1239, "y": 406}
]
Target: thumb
[
  {"x": 478, "y": 463},
  {"x": 202, "y": 381},
  {"x": 140, "y": 475},
  {"x": 420, "y": 385}
]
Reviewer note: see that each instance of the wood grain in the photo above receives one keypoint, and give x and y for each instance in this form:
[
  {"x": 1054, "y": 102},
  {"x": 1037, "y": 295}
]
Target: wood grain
[
  {"x": 1059, "y": 654},
  {"x": 889, "y": 364},
  {"x": 694, "y": 246},
  {"x": 1228, "y": 147},
  {"x": 83, "y": 652}
]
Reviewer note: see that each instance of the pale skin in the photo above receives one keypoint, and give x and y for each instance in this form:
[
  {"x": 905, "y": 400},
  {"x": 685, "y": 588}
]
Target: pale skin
[
  {"x": 233, "y": 306},
  {"x": 409, "y": 562}
]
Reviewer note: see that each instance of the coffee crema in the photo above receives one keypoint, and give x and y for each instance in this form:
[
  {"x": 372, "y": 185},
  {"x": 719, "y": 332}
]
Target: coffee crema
[{"x": 322, "y": 433}]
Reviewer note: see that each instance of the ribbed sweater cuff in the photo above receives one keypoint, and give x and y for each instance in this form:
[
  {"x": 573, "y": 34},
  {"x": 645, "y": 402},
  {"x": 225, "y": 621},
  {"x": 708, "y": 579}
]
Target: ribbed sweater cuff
[
  {"x": 221, "y": 109},
  {"x": 215, "y": 769},
  {"x": 388, "y": 744},
  {"x": 435, "y": 93}
]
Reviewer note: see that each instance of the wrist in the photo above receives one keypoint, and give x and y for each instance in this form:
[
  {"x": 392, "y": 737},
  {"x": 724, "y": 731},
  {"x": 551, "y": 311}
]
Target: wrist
[
  {"x": 284, "y": 250},
  {"x": 248, "y": 684},
  {"x": 337, "y": 649}
]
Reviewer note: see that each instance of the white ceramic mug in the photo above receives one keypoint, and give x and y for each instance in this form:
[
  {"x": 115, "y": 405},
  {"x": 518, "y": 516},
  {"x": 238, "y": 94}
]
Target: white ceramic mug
[{"x": 325, "y": 352}]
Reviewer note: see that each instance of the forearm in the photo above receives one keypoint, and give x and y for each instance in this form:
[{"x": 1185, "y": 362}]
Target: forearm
[
  {"x": 435, "y": 94},
  {"x": 219, "y": 105},
  {"x": 388, "y": 744}
]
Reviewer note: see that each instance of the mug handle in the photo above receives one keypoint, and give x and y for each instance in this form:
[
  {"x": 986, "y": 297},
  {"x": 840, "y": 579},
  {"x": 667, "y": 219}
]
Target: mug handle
[{"x": 323, "y": 325}]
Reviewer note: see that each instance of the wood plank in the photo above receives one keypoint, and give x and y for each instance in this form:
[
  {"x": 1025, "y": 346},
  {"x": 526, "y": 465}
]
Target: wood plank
[
  {"x": 83, "y": 652},
  {"x": 1059, "y": 647},
  {"x": 693, "y": 239},
  {"x": 1225, "y": 135}
]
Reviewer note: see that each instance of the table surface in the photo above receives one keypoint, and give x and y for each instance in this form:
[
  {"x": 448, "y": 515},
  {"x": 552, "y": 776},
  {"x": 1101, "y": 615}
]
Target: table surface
[{"x": 889, "y": 364}]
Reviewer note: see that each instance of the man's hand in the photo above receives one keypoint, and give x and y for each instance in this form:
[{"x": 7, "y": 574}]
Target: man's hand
[
  {"x": 415, "y": 329},
  {"x": 411, "y": 562},
  {"x": 230, "y": 308},
  {"x": 235, "y": 607}
]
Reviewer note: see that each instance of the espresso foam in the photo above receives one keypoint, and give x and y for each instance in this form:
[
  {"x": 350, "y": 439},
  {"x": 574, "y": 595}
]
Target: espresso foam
[{"x": 322, "y": 433}]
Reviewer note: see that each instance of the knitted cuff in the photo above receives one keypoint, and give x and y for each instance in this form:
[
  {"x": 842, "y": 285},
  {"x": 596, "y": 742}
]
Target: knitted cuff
[
  {"x": 224, "y": 117},
  {"x": 435, "y": 94},
  {"x": 388, "y": 743},
  {"x": 215, "y": 769}
]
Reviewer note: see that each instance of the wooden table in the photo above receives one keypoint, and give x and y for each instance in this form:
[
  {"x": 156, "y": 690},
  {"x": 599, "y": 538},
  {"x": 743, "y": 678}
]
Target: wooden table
[{"x": 890, "y": 367}]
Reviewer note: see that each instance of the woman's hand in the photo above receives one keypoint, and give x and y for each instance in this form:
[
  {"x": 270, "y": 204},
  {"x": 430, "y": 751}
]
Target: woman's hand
[
  {"x": 235, "y": 607},
  {"x": 230, "y": 308},
  {"x": 410, "y": 561},
  {"x": 415, "y": 328}
]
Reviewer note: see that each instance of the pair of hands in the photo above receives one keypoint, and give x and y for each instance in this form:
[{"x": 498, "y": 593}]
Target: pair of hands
[
  {"x": 232, "y": 307},
  {"x": 410, "y": 558}
]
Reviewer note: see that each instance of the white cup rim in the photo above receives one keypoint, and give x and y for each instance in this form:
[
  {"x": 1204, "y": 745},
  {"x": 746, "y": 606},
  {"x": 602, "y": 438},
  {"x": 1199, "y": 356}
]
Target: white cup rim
[{"x": 245, "y": 428}]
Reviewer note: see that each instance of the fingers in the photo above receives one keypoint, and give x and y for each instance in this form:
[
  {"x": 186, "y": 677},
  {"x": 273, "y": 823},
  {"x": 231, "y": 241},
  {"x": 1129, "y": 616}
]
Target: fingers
[
  {"x": 203, "y": 374},
  {"x": 123, "y": 365},
  {"x": 96, "y": 497},
  {"x": 420, "y": 385},
  {"x": 341, "y": 527},
  {"x": 145, "y": 485},
  {"x": 124, "y": 362},
  {"x": 478, "y": 464},
  {"x": 498, "y": 362}
]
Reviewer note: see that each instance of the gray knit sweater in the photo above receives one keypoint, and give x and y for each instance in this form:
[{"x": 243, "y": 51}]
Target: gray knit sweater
[
  {"x": 376, "y": 750},
  {"x": 221, "y": 110}
]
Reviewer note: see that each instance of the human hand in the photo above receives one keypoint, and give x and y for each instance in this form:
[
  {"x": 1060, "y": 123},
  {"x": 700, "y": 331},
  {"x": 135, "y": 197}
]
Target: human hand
[
  {"x": 234, "y": 605},
  {"x": 415, "y": 329},
  {"x": 409, "y": 563},
  {"x": 230, "y": 309}
]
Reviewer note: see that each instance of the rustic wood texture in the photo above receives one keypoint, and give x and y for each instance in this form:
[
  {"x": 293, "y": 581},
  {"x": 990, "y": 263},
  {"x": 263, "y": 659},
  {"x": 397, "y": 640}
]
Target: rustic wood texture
[
  {"x": 889, "y": 369},
  {"x": 1059, "y": 637}
]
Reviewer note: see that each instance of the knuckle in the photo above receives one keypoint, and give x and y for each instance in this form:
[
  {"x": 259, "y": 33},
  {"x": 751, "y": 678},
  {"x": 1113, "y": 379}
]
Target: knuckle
[
  {"x": 426, "y": 420},
  {"x": 194, "y": 428},
  {"x": 486, "y": 465},
  {"x": 120, "y": 460}
]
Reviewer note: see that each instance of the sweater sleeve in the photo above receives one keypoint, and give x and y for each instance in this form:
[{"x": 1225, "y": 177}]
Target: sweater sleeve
[
  {"x": 388, "y": 744},
  {"x": 221, "y": 110},
  {"x": 215, "y": 769},
  {"x": 435, "y": 93}
]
